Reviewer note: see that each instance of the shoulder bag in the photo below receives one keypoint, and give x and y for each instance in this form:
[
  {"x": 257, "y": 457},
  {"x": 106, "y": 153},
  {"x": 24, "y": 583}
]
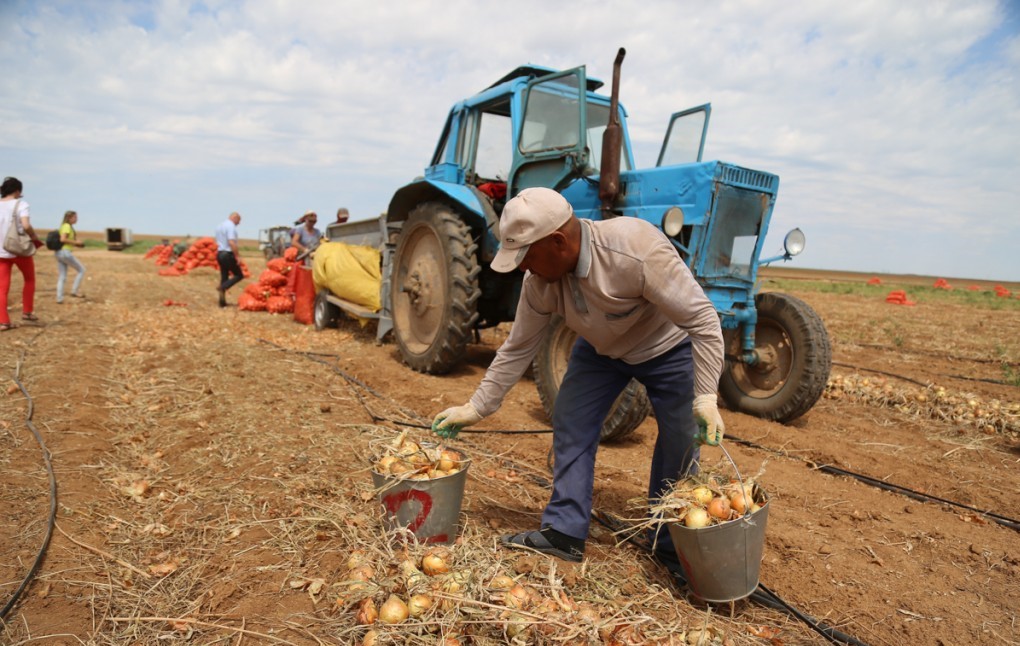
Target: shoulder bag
[{"x": 17, "y": 241}]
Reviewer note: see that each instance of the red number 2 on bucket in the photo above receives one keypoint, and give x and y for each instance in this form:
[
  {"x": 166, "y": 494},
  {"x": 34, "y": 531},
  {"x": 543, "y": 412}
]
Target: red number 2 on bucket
[{"x": 393, "y": 502}]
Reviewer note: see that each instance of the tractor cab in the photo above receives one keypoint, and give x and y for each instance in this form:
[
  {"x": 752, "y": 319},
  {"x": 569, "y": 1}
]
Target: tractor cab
[{"x": 541, "y": 127}]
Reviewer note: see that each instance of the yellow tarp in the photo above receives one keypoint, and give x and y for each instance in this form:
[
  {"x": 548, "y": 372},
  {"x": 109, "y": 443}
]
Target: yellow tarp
[{"x": 350, "y": 272}]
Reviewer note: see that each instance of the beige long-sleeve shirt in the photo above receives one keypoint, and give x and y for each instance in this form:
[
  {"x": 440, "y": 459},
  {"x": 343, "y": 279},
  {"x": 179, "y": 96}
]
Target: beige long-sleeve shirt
[{"x": 631, "y": 296}]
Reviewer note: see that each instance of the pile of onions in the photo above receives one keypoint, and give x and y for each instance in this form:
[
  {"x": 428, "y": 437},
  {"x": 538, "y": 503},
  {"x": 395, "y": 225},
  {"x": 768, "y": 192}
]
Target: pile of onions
[
  {"x": 411, "y": 600},
  {"x": 406, "y": 459},
  {"x": 382, "y": 597},
  {"x": 701, "y": 503}
]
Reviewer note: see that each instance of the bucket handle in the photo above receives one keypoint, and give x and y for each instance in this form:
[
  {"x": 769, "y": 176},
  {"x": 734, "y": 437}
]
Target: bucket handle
[{"x": 740, "y": 479}]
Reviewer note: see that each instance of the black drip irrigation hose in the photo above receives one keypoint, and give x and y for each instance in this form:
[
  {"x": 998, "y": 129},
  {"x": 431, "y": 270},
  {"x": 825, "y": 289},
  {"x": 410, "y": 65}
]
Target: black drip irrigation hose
[
  {"x": 768, "y": 598},
  {"x": 761, "y": 594},
  {"x": 941, "y": 355},
  {"x": 895, "y": 488},
  {"x": 354, "y": 381},
  {"x": 916, "y": 495},
  {"x": 882, "y": 372},
  {"x": 997, "y": 382},
  {"x": 51, "y": 523}
]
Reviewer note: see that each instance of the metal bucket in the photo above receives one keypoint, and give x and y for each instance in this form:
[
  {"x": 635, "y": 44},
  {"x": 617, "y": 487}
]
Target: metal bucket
[
  {"x": 429, "y": 509},
  {"x": 722, "y": 562}
]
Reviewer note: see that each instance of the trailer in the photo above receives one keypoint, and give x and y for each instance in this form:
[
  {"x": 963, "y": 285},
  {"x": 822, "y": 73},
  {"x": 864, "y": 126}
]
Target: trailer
[
  {"x": 375, "y": 233},
  {"x": 118, "y": 239}
]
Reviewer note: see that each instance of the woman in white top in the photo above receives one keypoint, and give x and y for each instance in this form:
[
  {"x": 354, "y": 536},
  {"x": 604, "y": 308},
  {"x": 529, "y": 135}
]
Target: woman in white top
[{"x": 11, "y": 204}]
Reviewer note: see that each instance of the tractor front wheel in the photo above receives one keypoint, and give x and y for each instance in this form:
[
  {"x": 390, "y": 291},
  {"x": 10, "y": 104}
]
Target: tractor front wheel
[{"x": 794, "y": 359}]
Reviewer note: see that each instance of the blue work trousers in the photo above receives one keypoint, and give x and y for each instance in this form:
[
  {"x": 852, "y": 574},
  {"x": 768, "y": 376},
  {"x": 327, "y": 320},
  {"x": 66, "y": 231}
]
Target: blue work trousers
[{"x": 589, "y": 388}]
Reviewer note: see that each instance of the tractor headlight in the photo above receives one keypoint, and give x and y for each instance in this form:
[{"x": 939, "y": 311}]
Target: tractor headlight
[
  {"x": 673, "y": 221},
  {"x": 794, "y": 242}
]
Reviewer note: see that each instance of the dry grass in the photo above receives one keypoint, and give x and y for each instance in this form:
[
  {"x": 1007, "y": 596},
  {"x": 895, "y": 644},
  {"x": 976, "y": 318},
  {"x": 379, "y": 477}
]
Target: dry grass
[{"x": 225, "y": 509}]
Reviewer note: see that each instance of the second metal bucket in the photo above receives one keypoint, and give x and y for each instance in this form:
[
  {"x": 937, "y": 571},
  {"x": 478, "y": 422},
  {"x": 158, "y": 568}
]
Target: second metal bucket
[
  {"x": 430, "y": 509},
  {"x": 722, "y": 562}
]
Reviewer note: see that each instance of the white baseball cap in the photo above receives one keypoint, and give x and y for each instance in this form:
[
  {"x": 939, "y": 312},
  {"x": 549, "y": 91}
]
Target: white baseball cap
[{"x": 527, "y": 218}]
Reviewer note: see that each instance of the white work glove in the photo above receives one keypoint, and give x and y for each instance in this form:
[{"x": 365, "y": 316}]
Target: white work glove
[
  {"x": 710, "y": 423},
  {"x": 448, "y": 423}
]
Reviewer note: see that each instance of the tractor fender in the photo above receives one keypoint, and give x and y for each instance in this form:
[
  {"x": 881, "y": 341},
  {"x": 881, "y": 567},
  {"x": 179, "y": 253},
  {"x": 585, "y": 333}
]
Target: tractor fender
[{"x": 474, "y": 207}]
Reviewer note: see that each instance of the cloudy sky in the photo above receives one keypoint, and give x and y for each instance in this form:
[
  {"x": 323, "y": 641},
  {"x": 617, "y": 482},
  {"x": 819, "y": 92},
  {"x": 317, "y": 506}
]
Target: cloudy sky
[{"x": 894, "y": 126}]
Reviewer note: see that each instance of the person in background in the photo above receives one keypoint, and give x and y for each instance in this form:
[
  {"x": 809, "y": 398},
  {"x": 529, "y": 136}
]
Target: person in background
[
  {"x": 228, "y": 255},
  {"x": 342, "y": 215},
  {"x": 639, "y": 314},
  {"x": 305, "y": 237},
  {"x": 11, "y": 207},
  {"x": 65, "y": 259}
]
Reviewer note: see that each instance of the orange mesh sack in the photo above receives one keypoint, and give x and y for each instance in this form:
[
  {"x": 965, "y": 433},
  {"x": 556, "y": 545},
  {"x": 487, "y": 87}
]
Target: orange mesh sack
[
  {"x": 257, "y": 291},
  {"x": 248, "y": 303},
  {"x": 279, "y": 265},
  {"x": 272, "y": 278},
  {"x": 304, "y": 295},
  {"x": 279, "y": 305}
]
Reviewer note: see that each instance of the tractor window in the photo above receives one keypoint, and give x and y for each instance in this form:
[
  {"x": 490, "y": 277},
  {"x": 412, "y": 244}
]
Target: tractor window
[
  {"x": 598, "y": 118},
  {"x": 444, "y": 141},
  {"x": 464, "y": 141},
  {"x": 493, "y": 158},
  {"x": 685, "y": 138},
  {"x": 737, "y": 219},
  {"x": 440, "y": 155},
  {"x": 550, "y": 119}
]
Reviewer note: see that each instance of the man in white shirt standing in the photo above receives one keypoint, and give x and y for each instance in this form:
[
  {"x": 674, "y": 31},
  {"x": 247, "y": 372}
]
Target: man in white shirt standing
[
  {"x": 639, "y": 314},
  {"x": 228, "y": 255}
]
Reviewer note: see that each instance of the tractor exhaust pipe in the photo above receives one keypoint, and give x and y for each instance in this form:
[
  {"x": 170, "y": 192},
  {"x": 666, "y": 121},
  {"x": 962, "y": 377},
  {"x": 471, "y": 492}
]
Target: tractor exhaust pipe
[{"x": 612, "y": 141}]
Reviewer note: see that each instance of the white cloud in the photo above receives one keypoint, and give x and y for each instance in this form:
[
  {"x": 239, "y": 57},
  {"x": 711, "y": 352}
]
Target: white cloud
[{"x": 882, "y": 119}]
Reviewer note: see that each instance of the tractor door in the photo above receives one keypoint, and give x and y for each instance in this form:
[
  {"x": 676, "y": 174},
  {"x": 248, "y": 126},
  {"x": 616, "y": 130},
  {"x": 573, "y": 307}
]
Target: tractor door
[
  {"x": 685, "y": 137},
  {"x": 550, "y": 146}
]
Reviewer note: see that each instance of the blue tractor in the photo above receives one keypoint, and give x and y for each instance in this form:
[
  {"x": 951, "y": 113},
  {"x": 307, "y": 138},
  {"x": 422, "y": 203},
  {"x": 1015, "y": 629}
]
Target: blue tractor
[{"x": 542, "y": 127}]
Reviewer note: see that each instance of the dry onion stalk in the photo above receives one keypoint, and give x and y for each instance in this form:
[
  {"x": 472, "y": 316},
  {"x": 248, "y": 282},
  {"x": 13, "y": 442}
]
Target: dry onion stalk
[
  {"x": 406, "y": 459},
  {"x": 709, "y": 498},
  {"x": 988, "y": 416}
]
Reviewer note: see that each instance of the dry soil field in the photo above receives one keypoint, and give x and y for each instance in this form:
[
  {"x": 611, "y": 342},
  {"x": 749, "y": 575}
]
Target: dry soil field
[{"x": 212, "y": 483}]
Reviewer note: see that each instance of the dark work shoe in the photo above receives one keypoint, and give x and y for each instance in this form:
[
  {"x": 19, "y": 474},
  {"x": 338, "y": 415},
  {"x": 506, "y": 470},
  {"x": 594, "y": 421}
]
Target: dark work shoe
[
  {"x": 670, "y": 561},
  {"x": 547, "y": 541},
  {"x": 223, "y": 297}
]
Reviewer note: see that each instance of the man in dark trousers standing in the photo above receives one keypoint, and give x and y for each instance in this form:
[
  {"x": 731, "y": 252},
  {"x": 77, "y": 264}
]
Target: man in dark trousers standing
[
  {"x": 639, "y": 314},
  {"x": 228, "y": 255}
]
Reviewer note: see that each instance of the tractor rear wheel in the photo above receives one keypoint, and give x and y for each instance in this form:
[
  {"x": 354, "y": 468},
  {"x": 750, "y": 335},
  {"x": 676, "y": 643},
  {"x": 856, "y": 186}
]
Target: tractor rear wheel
[
  {"x": 550, "y": 365},
  {"x": 793, "y": 365},
  {"x": 435, "y": 290}
]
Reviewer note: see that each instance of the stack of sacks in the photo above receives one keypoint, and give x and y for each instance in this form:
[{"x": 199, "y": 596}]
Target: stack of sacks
[
  {"x": 164, "y": 251},
  {"x": 201, "y": 254},
  {"x": 899, "y": 297},
  {"x": 271, "y": 293}
]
